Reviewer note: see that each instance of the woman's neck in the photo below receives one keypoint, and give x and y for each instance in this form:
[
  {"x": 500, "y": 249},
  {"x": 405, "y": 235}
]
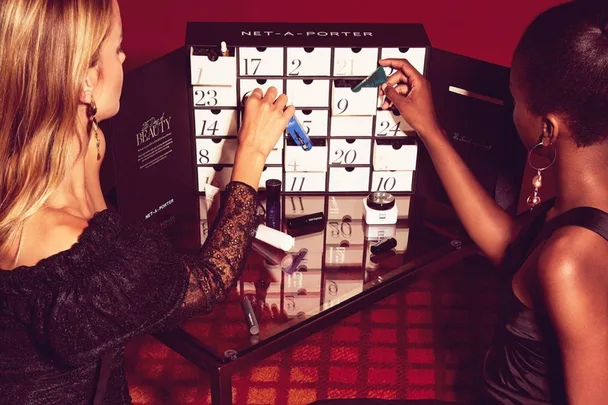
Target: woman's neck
[
  {"x": 72, "y": 195},
  {"x": 580, "y": 175}
]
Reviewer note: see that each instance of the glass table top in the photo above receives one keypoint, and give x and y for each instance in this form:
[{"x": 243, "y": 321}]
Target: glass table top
[{"x": 337, "y": 265}]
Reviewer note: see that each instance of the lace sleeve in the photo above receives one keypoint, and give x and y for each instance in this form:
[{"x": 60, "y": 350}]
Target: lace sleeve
[{"x": 215, "y": 270}]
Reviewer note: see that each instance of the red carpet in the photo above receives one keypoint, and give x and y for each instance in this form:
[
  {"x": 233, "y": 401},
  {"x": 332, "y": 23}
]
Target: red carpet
[{"x": 427, "y": 341}]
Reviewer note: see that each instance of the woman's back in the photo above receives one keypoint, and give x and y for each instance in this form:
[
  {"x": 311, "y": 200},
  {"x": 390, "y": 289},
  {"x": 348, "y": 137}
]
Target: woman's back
[
  {"x": 34, "y": 367},
  {"x": 46, "y": 233}
]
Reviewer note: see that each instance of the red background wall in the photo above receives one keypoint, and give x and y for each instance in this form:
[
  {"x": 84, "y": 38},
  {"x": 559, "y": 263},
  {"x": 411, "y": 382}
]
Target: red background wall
[{"x": 482, "y": 29}]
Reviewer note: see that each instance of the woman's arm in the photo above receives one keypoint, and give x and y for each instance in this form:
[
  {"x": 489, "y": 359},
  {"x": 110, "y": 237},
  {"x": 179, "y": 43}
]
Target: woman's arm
[
  {"x": 231, "y": 236},
  {"x": 213, "y": 273},
  {"x": 488, "y": 225},
  {"x": 486, "y": 222}
]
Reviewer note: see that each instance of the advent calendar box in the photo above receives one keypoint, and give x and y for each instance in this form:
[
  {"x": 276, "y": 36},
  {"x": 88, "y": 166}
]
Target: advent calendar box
[
  {"x": 356, "y": 147},
  {"x": 180, "y": 116}
]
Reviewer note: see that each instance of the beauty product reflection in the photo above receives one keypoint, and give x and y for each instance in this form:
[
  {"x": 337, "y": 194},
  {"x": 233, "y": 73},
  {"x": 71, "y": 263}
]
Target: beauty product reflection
[
  {"x": 252, "y": 321},
  {"x": 380, "y": 208},
  {"x": 384, "y": 246},
  {"x": 272, "y": 254},
  {"x": 297, "y": 260}
]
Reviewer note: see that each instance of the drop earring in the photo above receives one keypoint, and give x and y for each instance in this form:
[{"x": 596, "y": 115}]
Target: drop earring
[
  {"x": 537, "y": 180},
  {"x": 91, "y": 112}
]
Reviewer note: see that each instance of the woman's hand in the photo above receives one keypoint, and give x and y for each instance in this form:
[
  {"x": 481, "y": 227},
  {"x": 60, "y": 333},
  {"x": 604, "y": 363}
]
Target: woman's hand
[
  {"x": 410, "y": 92},
  {"x": 264, "y": 121},
  {"x": 490, "y": 227},
  {"x": 265, "y": 118}
]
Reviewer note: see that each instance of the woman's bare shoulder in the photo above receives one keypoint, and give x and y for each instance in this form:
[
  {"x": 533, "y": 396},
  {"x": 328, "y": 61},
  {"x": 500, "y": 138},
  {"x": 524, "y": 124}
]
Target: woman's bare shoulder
[
  {"x": 573, "y": 284},
  {"x": 46, "y": 233},
  {"x": 575, "y": 258}
]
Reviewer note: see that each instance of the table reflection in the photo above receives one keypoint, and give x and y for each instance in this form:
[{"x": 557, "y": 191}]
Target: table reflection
[
  {"x": 337, "y": 257},
  {"x": 337, "y": 264}
]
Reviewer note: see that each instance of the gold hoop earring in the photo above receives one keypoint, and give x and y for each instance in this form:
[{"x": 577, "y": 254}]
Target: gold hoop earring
[
  {"x": 91, "y": 111},
  {"x": 537, "y": 180}
]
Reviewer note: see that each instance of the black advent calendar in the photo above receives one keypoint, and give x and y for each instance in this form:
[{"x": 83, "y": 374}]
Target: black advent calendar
[{"x": 180, "y": 116}]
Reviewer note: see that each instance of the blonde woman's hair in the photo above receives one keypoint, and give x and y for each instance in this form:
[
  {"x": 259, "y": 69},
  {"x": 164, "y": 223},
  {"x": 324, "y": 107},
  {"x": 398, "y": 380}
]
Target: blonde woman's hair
[{"x": 46, "y": 48}]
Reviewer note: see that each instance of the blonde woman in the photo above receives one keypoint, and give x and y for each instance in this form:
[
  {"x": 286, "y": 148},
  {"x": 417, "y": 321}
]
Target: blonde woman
[{"x": 75, "y": 283}]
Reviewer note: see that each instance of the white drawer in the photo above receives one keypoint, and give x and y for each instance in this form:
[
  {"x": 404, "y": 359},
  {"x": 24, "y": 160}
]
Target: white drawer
[
  {"x": 218, "y": 176},
  {"x": 349, "y": 179},
  {"x": 347, "y": 102},
  {"x": 209, "y": 68},
  {"x": 214, "y": 96},
  {"x": 343, "y": 256},
  {"x": 309, "y": 280},
  {"x": 275, "y": 157},
  {"x": 215, "y": 122},
  {"x": 416, "y": 57},
  {"x": 304, "y": 181},
  {"x": 338, "y": 290},
  {"x": 246, "y": 86},
  {"x": 355, "y": 61},
  {"x": 349, "y": 151},
  {"x": 270, "y": 172},
  {"x": 357, "y": 125},
  {"x": 300, "y": 160},
  {"x": 213, "y": 151},
  {"x": 391, "y": 123},
  {"x": 392, "y": 181},
  {"x": 395, "y": 154},
  {"x": 261, "y": 61},
  {"x": 308, "y": 61},
  {"x": 314, "y": 122},
  {"x": 308, "y": 93}
]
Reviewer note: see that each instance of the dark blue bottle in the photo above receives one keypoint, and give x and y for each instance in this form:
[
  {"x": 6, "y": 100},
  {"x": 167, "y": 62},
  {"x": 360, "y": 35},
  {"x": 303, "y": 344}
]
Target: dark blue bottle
[{"x": 273, "y": 204}]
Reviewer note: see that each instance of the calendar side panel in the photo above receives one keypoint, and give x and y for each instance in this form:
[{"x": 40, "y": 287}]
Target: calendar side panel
[
  {"x": 474, "y": 105},
  {"x": 151, "y": 149}
]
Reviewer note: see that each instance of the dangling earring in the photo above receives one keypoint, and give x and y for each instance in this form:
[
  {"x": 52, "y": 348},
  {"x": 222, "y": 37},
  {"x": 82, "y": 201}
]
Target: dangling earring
[
  {"x": 537, "y": 180},
  {"x": 91, "y": 111}
]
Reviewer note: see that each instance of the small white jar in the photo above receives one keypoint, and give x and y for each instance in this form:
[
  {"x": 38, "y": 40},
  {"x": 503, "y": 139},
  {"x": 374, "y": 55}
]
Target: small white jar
[{"x": 380, "y": 208}]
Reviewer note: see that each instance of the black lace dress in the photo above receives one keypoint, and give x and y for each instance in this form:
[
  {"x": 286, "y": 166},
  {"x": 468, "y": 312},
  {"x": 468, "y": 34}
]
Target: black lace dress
[{"x": 59, "y": 317}]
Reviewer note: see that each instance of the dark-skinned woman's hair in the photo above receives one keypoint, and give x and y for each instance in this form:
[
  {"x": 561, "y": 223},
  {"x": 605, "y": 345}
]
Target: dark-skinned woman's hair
[{"x": 562, "y": 66}]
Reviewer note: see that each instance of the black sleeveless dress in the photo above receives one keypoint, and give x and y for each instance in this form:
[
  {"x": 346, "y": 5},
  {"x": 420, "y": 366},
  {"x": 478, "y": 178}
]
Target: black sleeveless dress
[{"x": 522, "y": 366}]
